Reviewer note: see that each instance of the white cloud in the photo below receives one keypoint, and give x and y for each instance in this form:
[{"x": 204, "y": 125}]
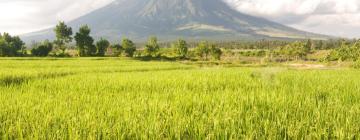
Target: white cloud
[
  {"x": 333, "y": 17},
  {"x": 22, "y": 16}
]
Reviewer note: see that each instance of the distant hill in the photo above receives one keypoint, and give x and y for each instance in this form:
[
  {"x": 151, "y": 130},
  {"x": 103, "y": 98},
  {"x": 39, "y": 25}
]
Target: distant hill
[{"x": 171, "y": 19}]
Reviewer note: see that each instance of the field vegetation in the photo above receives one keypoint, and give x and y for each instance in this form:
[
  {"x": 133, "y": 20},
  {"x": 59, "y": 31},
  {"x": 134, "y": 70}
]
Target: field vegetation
[{"x": 112, "y": 98}]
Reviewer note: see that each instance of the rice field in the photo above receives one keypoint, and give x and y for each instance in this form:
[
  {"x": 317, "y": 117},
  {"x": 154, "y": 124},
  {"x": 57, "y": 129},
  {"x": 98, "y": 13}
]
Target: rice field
[{"x": 112, "y": 98}]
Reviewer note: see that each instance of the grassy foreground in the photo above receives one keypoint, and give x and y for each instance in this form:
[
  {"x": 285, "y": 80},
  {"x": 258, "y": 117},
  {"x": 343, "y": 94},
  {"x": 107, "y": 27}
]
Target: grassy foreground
[{"x": 93, "y": 98}]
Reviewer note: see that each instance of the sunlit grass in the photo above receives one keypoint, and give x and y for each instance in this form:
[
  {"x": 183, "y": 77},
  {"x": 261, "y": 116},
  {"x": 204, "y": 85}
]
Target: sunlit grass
[{"x": 125, "y": 99}]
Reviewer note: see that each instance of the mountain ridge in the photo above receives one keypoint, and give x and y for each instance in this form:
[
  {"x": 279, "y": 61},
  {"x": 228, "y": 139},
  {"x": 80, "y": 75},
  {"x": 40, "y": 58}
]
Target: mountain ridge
[{"x": 171, "y": 19}]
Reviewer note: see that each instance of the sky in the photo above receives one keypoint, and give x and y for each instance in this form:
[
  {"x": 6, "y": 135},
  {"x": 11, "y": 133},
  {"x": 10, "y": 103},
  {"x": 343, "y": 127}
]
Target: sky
[{"x": 331, "y": 17}]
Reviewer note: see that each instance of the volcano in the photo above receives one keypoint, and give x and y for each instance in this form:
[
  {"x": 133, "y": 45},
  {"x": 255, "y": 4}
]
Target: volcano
[{"x": 172, "y": 19}]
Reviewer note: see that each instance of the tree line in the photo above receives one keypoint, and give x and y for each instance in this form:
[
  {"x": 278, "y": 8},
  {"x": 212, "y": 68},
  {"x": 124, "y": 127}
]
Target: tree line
[
  {"x": 86, "y": 46},
  {"x": 11, "y": 45}
]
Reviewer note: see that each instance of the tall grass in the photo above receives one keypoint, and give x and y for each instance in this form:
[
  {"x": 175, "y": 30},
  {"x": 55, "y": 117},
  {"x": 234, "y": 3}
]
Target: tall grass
[{"x": 125, "y": 99}]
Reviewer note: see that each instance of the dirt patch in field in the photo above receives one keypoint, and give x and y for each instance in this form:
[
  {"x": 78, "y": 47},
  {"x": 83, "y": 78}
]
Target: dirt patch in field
[{"x": 308, "y": 66}]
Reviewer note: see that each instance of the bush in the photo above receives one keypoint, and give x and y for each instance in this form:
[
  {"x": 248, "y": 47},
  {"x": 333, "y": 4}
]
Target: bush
[
  {"x": 129, "y": 47},
  {"x": 346, "y": 52},
  {"x": 215, "y": 52},
  {"x": 356, "y": 64},
  {"x": 202, "y": 50},
  {"x": 116, "y": 50},
  {"x": 43, "y": 49},
  {"x": 152, "y": 47},
  {"x": 101, "y": 47},
  {"x": 180, "y": 48},
  {"x": 333, "y": 56},
  {"x": 296, "y": 50}
]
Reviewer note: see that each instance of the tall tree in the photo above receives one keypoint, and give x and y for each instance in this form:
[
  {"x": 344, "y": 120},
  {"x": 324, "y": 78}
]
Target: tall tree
[
  {"x": 152, "y": 47},
  {"x": 3, "y": 47},
  {"x": 215, "y": 52},
  {"x": 320, "y": 44},
  {"x": 84, "y": 42},
  {"x": 63, "y": 35},
  {"x": 180, "y": 48},
  {"x": 202, "y": 50},
  {"x": 11, "y": 46},
  {"x": 308, "y": 46},
  {"x": 129, "y": 47},
  {"x": 101, "y": 47}
]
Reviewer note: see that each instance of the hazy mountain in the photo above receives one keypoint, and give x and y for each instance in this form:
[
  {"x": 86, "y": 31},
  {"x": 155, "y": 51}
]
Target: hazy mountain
[{"x": 171, "y": 19}]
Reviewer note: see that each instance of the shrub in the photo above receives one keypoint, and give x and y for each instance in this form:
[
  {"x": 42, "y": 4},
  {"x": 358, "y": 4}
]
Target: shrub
[
  {"x": 202, "y": 50},
  {"x": 129, "y": 47},
  {"x": 43, "y": 49},
  {"x": 356, "y": 64},
  {"x": 152, "y": 47},
  {"x": 215, "y": 52},
  {"x": 101, "y": 47},
  {"x": 180, "y": 48}
]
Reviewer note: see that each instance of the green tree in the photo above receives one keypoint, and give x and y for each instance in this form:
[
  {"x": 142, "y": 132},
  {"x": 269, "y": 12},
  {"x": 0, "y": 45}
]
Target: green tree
[
  {"x": 117, "y": 49},
  {"x": 152, "y": 47},
  {"x": 215, "y": 52},
  {"x": 7, "y": 37},
  {"x": 84, "y": 42},
  {"x": 180, "y": 48},
  {"x": 344, "y": 51},
  {"x": 11, "y": 46},
  {"x": 202, "y": 50},
  {"x": 3, "y": 47},
  {"x": 295, "y": 50},
  {"x": 43, "y": 49},
  {"x": 320, "y": 45},
  {"x": 63, "y": 36},
  {"x": 129, "y": 47},
  {"x": 308, "y": 46},
  {"x": 356, "y": 51},
  {"x": 101, "y": 46}
]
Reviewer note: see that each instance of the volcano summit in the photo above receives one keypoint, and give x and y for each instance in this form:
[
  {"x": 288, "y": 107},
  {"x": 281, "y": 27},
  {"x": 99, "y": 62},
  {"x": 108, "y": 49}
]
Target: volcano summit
[{"x": 171, "y": 19}]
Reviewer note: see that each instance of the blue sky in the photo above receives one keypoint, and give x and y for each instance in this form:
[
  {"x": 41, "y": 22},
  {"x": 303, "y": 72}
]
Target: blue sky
[{"x": 332, "y": 17}]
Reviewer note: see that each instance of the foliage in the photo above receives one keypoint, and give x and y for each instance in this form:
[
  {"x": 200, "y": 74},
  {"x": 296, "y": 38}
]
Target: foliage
[
  {"x": 347, "y": 51},
  {"x": 116, "y": 49},
  {"x": 43, "y": 49},
  {"x": 308, "y": 46},
  {"x": 332, "y": 56},
  {"x": 152, "y": 47},
  {"x": 215, "y": 52},
  {"x": 11, "y": 45},
  {"x": 129, "y": 47},
  {"x": 63, "y": 36},
  {"x": 253, "y": 53},
  {"x": 202, "y": 50},
  {"x": 101, "y": 47},
  {"x": 84, "y": 42},
  {"x": 245, "y": 51},
  {"x": 180, "y": 48},
  {"x": 296, "y": 50},
  {"x": 356, "y": 64}
]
